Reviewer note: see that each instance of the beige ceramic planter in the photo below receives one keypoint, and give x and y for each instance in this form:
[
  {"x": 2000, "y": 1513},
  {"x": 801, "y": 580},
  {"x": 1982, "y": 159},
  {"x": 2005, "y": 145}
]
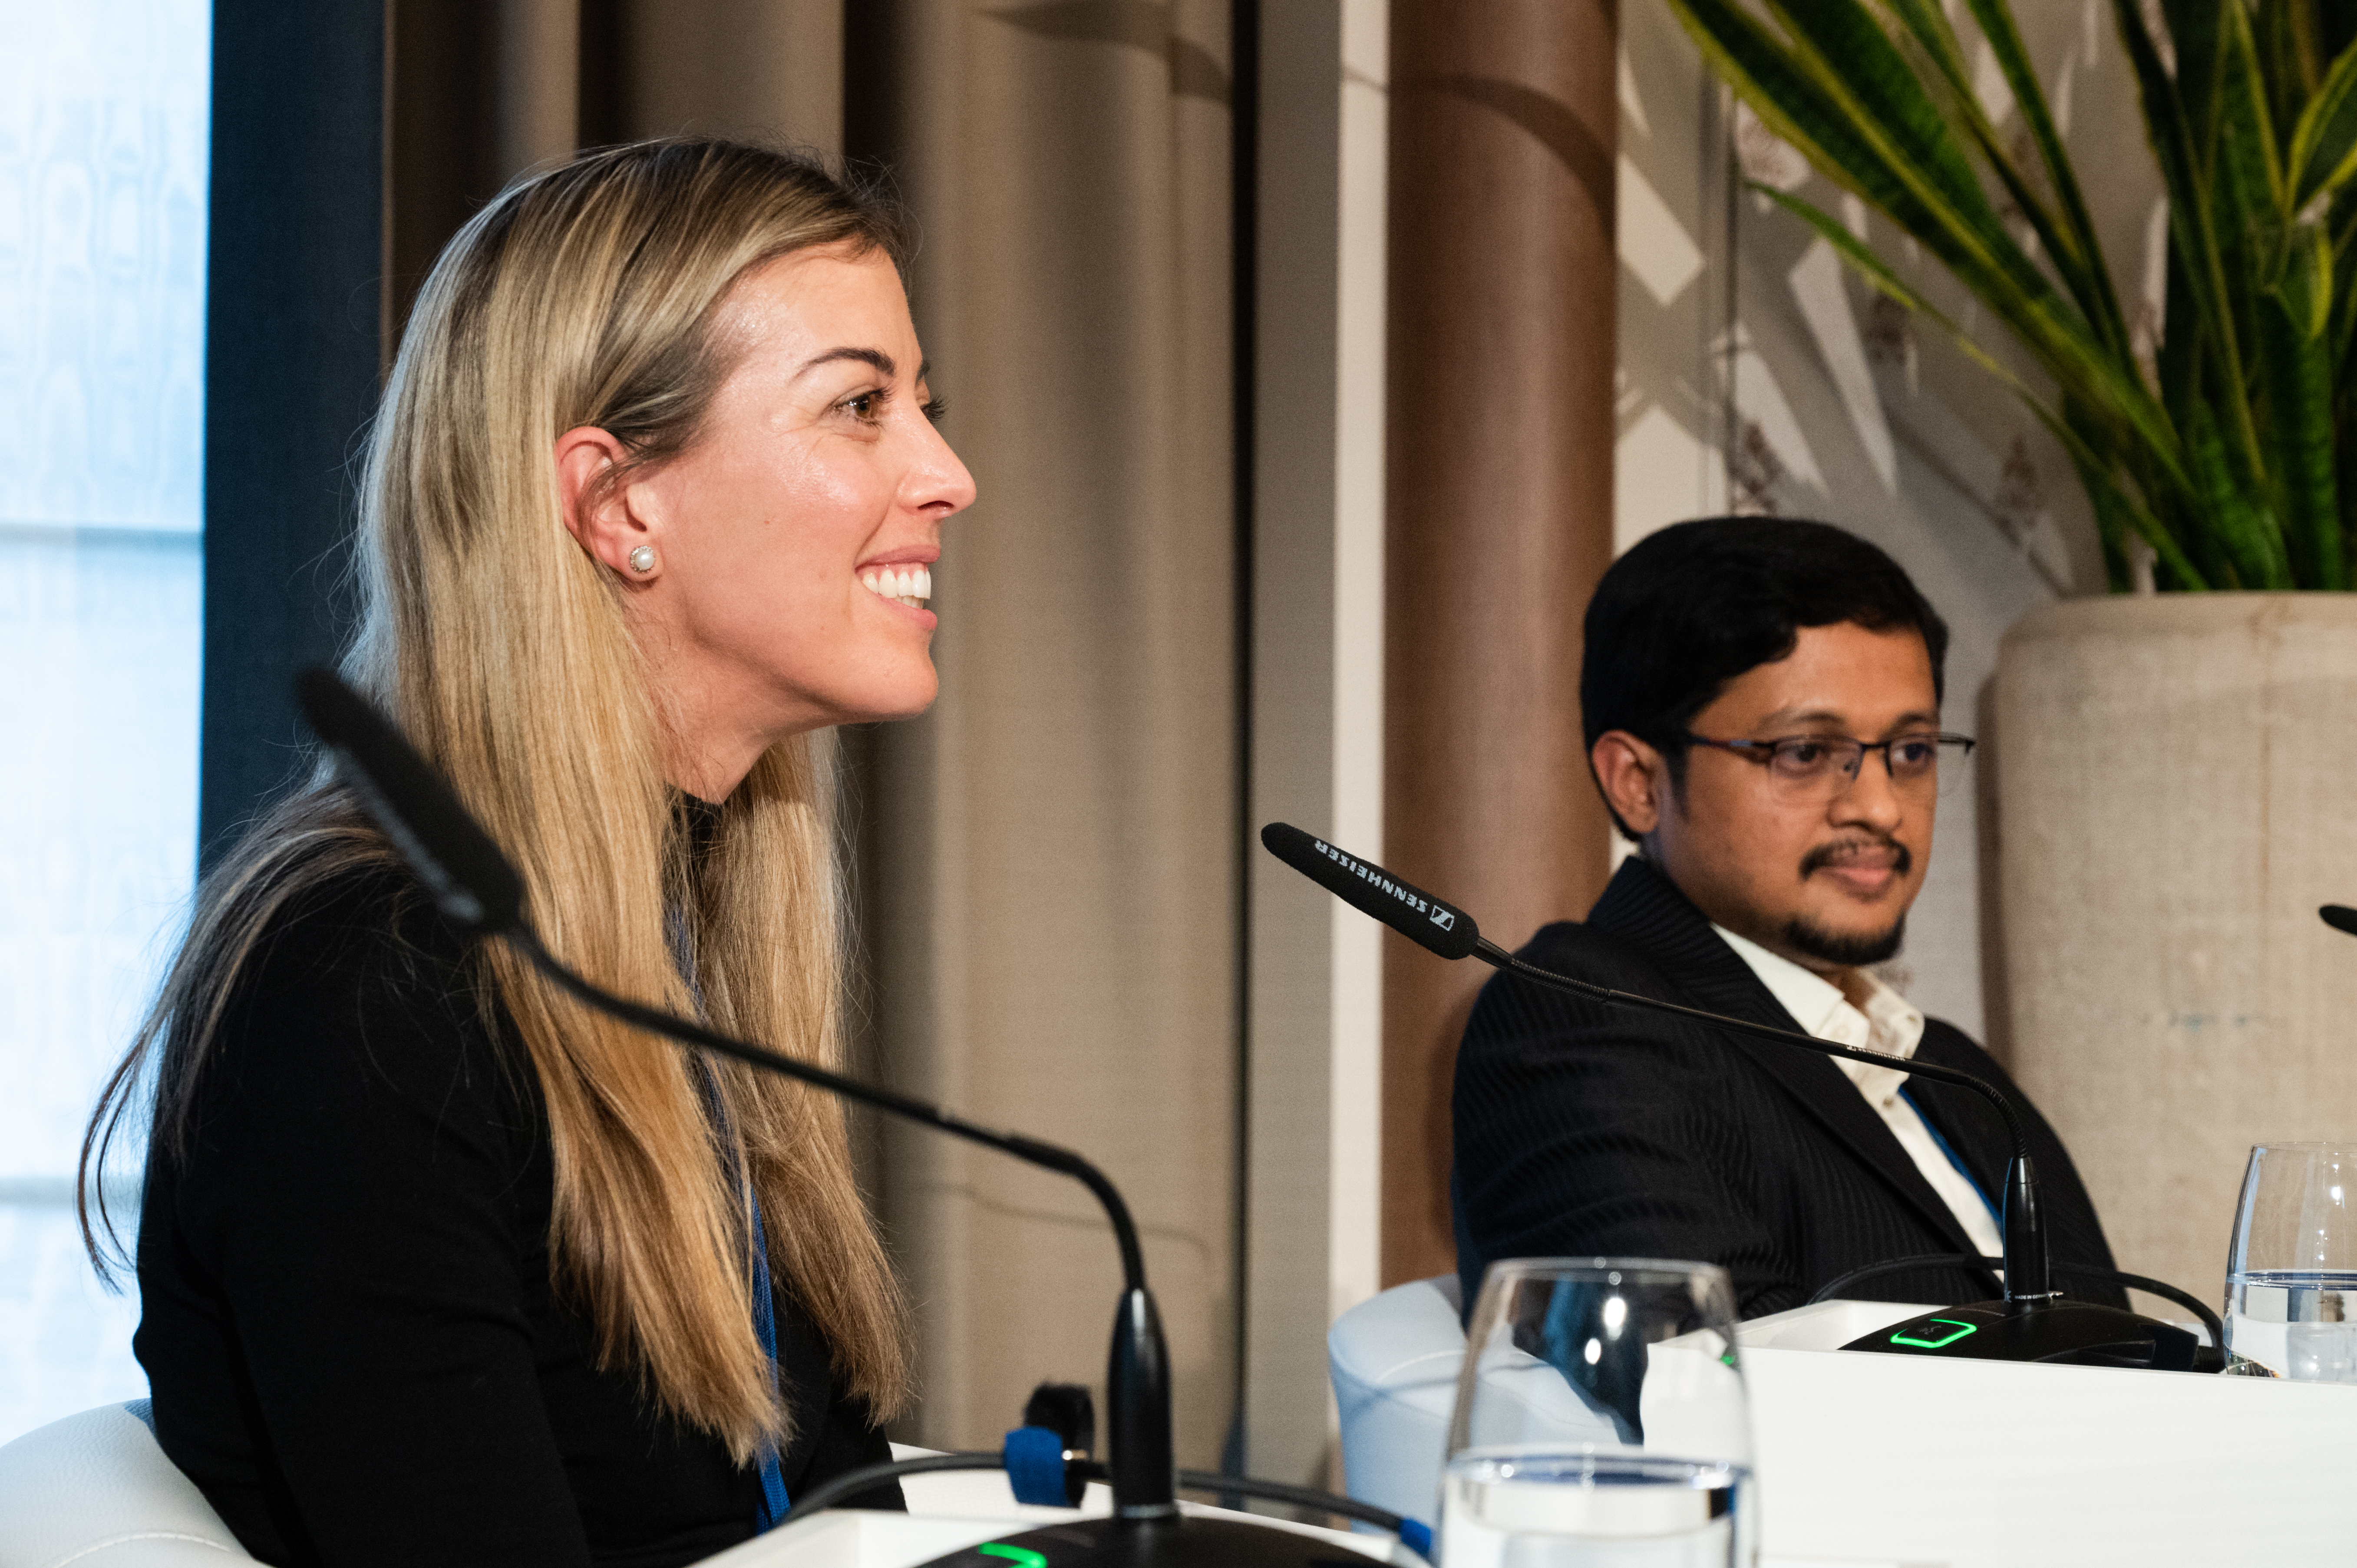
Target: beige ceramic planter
[{"x": 2178, "y": 793}]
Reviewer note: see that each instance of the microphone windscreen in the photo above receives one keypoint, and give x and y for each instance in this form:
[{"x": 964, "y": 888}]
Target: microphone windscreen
[
  {"x": 471, "y": 880},
  {"x": 2341, "y": 918},
  {"x": 1415, "y": 914}
]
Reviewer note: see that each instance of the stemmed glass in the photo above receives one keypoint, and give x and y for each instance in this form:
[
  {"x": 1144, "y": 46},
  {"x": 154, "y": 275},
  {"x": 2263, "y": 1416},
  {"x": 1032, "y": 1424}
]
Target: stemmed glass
[
  {"x": 1601, "y": 1421},
  {"x": 2291, "y": 1276}
]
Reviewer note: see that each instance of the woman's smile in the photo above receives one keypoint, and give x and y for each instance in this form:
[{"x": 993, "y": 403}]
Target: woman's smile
[{"x": 908, "y": 584}]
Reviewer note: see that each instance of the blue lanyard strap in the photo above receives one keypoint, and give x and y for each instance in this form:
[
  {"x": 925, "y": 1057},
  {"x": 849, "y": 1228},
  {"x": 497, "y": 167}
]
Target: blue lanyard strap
[
  {"x": 765, "y": 1326},
  {"x": 1962, "y": 1169},
  {"x": 765, "y": 1317}
]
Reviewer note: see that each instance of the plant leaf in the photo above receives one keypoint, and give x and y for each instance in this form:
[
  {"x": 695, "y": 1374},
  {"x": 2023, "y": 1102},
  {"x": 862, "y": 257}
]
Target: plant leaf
[
  {"x": 2324, "y": 147},
  {"x": 2298, "y": 373},
  {"x": 2076, "y": 257},
  {"x": 1845, "y": 51},
  {"x": 2193, "y": 29},
  {"x": 2105, "y": 489},
  {"x": 2304, "y": 290},
  {"x": 2254, "y": 544},
  {"x": 2340, "y": 225},
  {"x": 2246, "y": 131},
  {"x": 1878, "y": 273},
  {"x": 1791, "y": 95},
  {"x": 1822, "y": 124},
  {"x": 1740, "y": 50},
  {"x": 2084, "y": 249},
  {"x": 1873, "y": 82},
  {"x": 2113, "y": 522},
  {"x": 2191, "y": 219}
]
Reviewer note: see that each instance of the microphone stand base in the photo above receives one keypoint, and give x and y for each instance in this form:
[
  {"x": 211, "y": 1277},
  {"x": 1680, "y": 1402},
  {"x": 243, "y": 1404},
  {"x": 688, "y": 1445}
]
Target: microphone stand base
[
  {"x": 1184, "y": 1542},
  {"x": 2066, "y": 1333}
]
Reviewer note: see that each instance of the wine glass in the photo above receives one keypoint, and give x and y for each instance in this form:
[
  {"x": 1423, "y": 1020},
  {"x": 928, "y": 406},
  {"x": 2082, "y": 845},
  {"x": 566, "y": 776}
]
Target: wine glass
[
  {"x": 1601, "y": 1421},
  {"x": 2291, "y": 1276}
]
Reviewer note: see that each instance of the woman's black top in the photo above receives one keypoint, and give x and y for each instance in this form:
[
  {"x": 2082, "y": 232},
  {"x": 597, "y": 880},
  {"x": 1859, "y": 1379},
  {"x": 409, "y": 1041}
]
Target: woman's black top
[{"x": 348, "y": 1321}]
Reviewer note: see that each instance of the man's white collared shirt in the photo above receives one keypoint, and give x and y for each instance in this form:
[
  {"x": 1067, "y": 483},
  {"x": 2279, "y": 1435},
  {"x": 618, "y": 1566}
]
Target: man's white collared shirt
[{"x": 1879, "y": 1020}]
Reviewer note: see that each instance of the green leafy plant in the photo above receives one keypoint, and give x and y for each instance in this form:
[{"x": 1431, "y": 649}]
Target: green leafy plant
[{"x": 2228, "y": 452}]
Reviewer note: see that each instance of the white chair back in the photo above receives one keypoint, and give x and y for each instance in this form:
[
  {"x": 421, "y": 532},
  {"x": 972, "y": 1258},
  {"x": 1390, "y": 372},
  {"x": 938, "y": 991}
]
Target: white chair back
[
  {"x": 94, "y": 1491},
  {"x": 1394, "y": 1359}
]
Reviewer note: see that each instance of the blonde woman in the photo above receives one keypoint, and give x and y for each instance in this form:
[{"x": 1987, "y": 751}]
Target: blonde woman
[{"x": 436, "y": 1266}]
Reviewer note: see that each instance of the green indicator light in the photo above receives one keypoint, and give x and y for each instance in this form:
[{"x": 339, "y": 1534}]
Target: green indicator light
[
  {"x": 1956, "y": 1331},
  {"x": 1022, "y": 1556}
]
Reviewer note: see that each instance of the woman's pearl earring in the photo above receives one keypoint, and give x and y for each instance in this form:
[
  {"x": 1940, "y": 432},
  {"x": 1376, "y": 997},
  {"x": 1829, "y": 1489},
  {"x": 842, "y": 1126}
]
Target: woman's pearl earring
[{"x": 642, "y": 559}]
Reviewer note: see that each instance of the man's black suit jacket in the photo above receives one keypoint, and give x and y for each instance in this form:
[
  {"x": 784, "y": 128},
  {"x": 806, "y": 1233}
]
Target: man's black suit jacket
[{"x": 1582, "y": 1130}]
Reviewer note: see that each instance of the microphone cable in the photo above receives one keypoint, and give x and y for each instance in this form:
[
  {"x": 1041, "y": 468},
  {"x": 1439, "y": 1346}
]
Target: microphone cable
[
  {"x": 2185, "y": 1299},
  {"x": 851, "y": 1483}
]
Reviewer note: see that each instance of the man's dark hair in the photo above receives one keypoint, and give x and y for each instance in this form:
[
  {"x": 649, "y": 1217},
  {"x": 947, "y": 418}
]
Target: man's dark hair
[{"x": 1689, "y": 608}]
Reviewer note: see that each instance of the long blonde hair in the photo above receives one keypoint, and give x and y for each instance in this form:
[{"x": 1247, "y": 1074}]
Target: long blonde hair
[{"x": 586, "y": 295}]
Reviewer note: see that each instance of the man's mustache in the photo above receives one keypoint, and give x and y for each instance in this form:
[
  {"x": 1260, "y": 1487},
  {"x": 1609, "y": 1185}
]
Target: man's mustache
[{"x": 1841, "y": 851}]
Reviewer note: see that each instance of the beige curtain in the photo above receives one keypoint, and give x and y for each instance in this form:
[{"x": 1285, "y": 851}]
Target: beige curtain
[
  {"x": 1046, "y": 861},
  {"x": 1052, "y": 850},
  {"x": 482, "y": 89}
]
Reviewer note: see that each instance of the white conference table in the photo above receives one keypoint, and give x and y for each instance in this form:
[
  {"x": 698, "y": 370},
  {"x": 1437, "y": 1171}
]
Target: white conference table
[
  {"x": 1911, "y": 1459},
  {"x": 1890, "y": 1462}
]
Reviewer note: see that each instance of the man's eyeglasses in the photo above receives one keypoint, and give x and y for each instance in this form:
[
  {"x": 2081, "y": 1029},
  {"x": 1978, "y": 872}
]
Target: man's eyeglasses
[{"x": 1820, "y": 767}]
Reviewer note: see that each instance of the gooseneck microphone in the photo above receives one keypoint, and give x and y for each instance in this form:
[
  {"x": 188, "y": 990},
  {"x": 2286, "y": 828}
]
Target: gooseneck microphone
[
  {"x": 2033, "y": 1323},
  {"x": 476, "y": 887}
]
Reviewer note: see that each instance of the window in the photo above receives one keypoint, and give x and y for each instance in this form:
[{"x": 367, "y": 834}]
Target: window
[{"x": 104, "y": 122}]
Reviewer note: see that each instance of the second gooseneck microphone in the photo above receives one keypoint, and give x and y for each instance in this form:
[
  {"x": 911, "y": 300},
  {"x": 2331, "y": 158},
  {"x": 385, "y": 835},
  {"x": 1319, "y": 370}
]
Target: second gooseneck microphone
[
  {"x": 1444, "y": 928},
  {"x": 2037, "y": 1326}
]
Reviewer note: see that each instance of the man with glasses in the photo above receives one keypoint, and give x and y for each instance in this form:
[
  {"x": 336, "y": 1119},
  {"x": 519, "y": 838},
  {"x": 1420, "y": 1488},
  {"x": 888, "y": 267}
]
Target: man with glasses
[{"x": 1761, "y": 705}]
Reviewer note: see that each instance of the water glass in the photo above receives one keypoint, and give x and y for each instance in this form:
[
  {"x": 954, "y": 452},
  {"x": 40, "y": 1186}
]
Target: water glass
[
  {"x": 1601, "y": 1421},
  {"x": 2291, "y": 1276}
]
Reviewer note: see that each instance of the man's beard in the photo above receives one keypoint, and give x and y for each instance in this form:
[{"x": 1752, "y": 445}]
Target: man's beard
[
  {"x": 1807, "y": 938},
  {"x": 1843, "y": 951}
]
